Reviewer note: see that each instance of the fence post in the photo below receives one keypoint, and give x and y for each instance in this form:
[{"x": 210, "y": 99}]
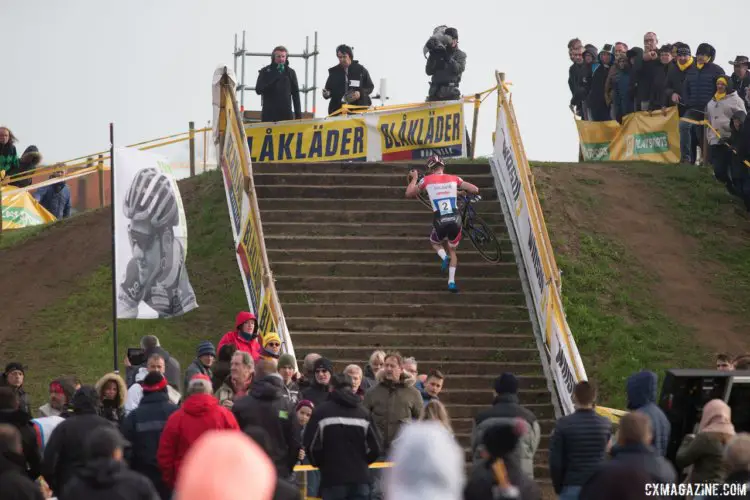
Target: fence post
[
  {"x": 100, "y": 169},
  {"x": 477, "y": 103},
  {"x": 205, "y": 148},
  {"x": 1, "y": 206},
  {"x": 192, "y": 149}
]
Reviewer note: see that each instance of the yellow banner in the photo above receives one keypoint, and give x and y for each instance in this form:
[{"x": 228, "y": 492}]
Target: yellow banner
[
  {"x": 643, "y": 136},
  {"x": 308, "y": 141},
  {"x": 267, "y": 317},
  {"x": 251, "y": 255},
  {"x": 441, "y": 127},
  {"x": 22, "y": 210}
]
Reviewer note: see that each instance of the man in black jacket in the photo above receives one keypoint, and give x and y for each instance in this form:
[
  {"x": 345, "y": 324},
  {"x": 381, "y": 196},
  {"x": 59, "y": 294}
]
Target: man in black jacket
[
  {"x": 446, "y": 65},
  {"x": 11, "y": 414},
  {"x": 658, "y": 100},
  {"x": 342, "y": 440},
  {"x": 578, "y": 444},
  {"x": 266, "y": 407},
  {"x": 278, "y": 85},
  {"x": 319, "y": 389},
  {"x": 14, "y": 484},
  {"x": 63, "y": 455},
  {"x": 143, "y": 427},
  {"x": 644, "y": 71},
  {"x": 348, "y": 82},
  {"x": 151, "y": 345},
  {"x": 675, "y": 94},
  {"x": 741, "y": 78},
  {"x": 576, "y": 77}
]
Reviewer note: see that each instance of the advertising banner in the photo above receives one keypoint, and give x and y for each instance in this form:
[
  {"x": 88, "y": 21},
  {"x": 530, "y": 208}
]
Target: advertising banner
[
  {"x": 643, "y": 136},
  {"x": 20, "y": 209},
  {"x": 385, "y": 135},
  {"x": 151, "y": 240}
]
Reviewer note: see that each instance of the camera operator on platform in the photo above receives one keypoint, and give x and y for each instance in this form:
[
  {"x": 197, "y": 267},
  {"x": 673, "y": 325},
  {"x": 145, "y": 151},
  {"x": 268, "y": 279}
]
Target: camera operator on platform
[
  {"x": 348, "y": 82},
  {"x": 445, "y": 64}
]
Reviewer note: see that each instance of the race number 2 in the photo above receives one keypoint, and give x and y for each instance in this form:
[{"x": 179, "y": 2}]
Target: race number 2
[{"x": 445, "y": 206}]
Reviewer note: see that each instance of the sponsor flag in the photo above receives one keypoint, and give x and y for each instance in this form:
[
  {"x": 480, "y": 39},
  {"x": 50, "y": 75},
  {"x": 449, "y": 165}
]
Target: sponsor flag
[{"x": 20, "y": 209}]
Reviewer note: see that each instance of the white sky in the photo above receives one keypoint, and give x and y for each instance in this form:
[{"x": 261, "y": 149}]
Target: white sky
[{"x": 70, "y": 67}]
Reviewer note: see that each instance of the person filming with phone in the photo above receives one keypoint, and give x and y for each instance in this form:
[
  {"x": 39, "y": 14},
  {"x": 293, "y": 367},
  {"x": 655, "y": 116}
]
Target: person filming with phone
[{"x": 348, "y": 82}]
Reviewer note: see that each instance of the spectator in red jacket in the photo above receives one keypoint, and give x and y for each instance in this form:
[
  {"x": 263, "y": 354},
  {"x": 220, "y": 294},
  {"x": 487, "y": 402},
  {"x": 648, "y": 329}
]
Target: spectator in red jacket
[
  {"x": 244, "y": 336},
  {"x": 199, "y": 413}
]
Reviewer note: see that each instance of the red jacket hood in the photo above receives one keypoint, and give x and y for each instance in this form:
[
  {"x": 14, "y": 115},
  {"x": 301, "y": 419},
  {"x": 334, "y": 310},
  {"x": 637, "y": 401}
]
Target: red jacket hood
[
  {"x": 199, "y": 404},
  {"x": 233, "y": 337}
]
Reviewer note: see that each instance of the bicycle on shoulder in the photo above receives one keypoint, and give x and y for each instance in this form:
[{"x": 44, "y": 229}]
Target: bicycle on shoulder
[{"x": 442, "y": 190}]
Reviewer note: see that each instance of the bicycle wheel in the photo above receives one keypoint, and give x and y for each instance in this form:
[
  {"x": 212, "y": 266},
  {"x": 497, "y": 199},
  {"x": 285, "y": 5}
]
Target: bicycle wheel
[{"x": 483, "y": 238}]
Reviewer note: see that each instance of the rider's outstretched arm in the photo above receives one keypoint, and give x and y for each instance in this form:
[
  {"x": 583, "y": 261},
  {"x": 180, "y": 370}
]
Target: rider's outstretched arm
[
  {"x": 468, "y": 186},
  {"x": 412, "y": 191}
]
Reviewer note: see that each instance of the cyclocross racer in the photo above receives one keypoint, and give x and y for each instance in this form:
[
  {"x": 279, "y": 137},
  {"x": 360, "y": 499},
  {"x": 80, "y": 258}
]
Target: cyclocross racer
[{"x": 442, "y": 189}]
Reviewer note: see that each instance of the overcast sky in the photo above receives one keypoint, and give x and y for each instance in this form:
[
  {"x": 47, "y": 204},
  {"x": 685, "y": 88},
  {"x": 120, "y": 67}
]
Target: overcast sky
[{"x": 70, "y": 67}]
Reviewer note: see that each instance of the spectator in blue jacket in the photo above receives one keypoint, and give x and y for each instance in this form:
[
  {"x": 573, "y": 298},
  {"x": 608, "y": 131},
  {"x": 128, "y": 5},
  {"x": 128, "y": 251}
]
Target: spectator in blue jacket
[
  {"x": 578, "y": 445},
  {"x": 641, "y": 390},
  {"x": 700, "y": 86},
  {"x": 55, "y": 197}
]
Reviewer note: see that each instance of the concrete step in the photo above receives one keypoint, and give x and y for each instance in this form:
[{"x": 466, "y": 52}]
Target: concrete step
[
  {"x": 472, "y": 396},
  {"x": 363, "y": 216},
  {"x": 467, "y": 354},
  {"x": 374, "y": 243},
  {"x": 525, "y": 382},
  {"x": 465, "y": 425},
  {"x": 385, "y": 325},
  {"x": 367, "y": 256},
  {"x": 360, "y": 204},
  {"x": 435, "y": 283},
  {"x": 270, "y": 178},
  {"x": 391, "y": 311},
  {"x": 540, "y": 410},
  {"x": 386, "y": 269},
  {"x": 464, "y": 439},
  {"x": 347, "y": 191},
  {"x": 401, "y": 168},
  {"x": 401, "y": 297},
  {"x": 404, "y": 341},
  {"x": 449, "y": 368},
  {"x": 389, "y": 229}
]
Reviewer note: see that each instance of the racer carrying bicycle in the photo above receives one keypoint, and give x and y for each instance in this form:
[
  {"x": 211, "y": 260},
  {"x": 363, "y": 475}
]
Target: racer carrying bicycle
[{"x": 442, "y": 189}]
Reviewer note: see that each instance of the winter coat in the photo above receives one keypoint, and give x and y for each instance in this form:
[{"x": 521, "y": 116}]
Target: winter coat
[
  {"x": 368, "y": 379},
  {"x": 143, "y": 428},
  {"x": 112, "y": 410},
  {"x": 172, "y": 370},
  {"x": 645, "y": 74},
  {"x": 596, "y": 100},
  {"x": 195, "y": 368},
  {"x": 64, "y": 455},
  {"x": 740, "y": 141},
  {"x": 705, "y": 452},
  {"x": 24, "y": 401},
  {"x": 505, "y": 409},
  {"x": 609, "y": 84},
  {"x": 641, "y": 391},
  {"x": 108, "y": 479},
  {"x": 676, "y": 84},
  {"x": 55, "y": 198},
  {"x": 579, "y": 80},
  {"x": 14, "y": 484},
  {"x": 22, "y": 421},
  {"x": 44, "y": 427},
  {"x": 393, "y": 404},
  {"x": 578, "y": 446},
  {"x": 226, "y": 391},
  {"x": 317, "y": 393},
  {"x": 623, "y": 95},
  {"x": 741, "y": 86},
  {"x": 28, "y": 162},
  {"x": 234, "y": 337},
  {"x": 446, "y": 69},
  {"x": 658, "y": 97},
  {"x": 267, "y": 408},
  {"x": 719, "y": 115},
  {"x": 481, "y": 482},
  {"x": 199, "y": 413},
  {"x": 135, "y": 393},
  {"x": 279, "y": 90},
  {"x": 341, "y": 80},
  {"x": 636, "y": 456},
  {"x": 291, "y": 392},
  {"x": 700, "y": 86},
  {"x": 8, "y": 157},
  {"x": 341, "y": 439}
]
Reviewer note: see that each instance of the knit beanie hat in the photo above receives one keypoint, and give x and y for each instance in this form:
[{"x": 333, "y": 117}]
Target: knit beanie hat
[
  {"x": 706, "y": 49},
  {"x": 428, "y": 463},
  {"x": 305, "y": 403},
  {"x": 13, "y": 366},
  {"x": 323, "y": 363},
  {"x": 452, "y": 32},
  {"x": 287, "y": 361},
  {"x": 154, "y": 382},
  {"x": 205, "y": 348},
  {"x": 270, "y": 337},
  {"x": 501, "y": 439},
  {"x": 683, "y": 50},
  {"x": 507, "y": 383}
]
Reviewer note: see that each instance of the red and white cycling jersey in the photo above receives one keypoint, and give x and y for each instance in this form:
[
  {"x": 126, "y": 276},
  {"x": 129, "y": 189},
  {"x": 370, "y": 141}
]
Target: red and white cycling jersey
[{"x": 443, "y": 192}]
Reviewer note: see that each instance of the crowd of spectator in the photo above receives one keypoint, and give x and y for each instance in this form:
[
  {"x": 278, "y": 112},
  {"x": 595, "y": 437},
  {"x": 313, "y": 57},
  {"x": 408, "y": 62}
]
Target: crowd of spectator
[{"x": 613, "y": 82}]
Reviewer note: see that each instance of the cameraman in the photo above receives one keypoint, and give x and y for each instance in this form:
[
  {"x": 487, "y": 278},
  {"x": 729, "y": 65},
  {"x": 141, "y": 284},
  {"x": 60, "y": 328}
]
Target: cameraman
[
  {"x": 445, "y": 65},
  {"x": 348, "y": 82}
]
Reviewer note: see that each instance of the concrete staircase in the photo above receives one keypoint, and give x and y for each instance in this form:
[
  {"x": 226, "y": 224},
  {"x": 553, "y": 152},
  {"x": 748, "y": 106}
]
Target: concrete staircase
[{"x": 355, "y": 273}]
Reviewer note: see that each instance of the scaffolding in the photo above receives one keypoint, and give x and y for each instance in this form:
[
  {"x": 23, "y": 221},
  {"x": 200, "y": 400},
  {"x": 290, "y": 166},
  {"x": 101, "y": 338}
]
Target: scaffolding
[{"x": 242, "y": 52}]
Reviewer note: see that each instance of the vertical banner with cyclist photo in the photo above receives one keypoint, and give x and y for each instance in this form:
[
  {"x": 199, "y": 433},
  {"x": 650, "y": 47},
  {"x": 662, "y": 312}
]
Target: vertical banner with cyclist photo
[{"x": 150, "y": 239}]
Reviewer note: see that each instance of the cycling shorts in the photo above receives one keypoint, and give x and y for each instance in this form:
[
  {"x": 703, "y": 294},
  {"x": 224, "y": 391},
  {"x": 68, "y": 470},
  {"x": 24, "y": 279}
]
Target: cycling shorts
[{"x": 446, "y": 229}]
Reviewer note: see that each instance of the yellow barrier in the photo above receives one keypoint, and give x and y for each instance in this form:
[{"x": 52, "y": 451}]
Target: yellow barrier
[{"x": 309, "y": 468}]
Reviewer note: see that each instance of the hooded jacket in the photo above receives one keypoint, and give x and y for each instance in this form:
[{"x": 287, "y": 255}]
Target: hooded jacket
[
  {"x": 22, "y": 421},
  {"x": 64, "y": 455},
  {"x": 108, "y": 479},
  {"x": 267, "y": 407},
  {"x": 199, "y": 413},
  {"x": 112, "y": 410},
  {"x": 392, "y": 404},
  {"x": 30, "y": 160},
  {"x": 143, "y": 428},
  {"x": 641, "y": 390},
  {"x": 251, "y": 346},
  {"x": 14, "y": 484},
  {"x": 700, "y": 86},
  {"x": 596, "y": 99},
  {"x": 341, "y": 80},
  {"x": 505, "y": 409},
  {"x": 676, "y": 84},
  {"x": 341, "y": 439},
  {"x": 719, "y": 114},
  {"x": 279, "y": 90}
]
